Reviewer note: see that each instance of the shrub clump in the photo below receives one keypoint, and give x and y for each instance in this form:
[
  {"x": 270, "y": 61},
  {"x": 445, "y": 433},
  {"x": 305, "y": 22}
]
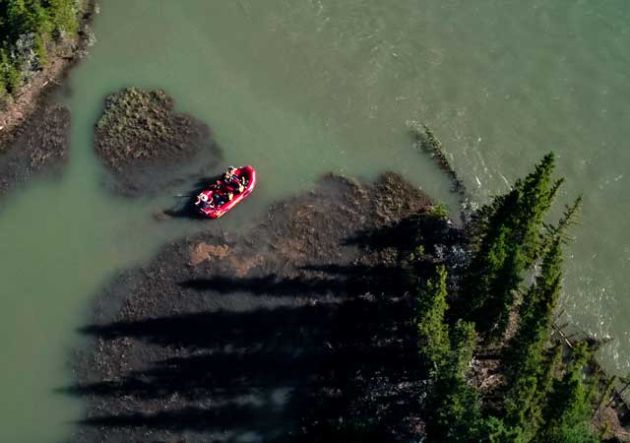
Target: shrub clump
[
  {"x": 29, "y": 29},
  {"x": 138, "y": 126}
]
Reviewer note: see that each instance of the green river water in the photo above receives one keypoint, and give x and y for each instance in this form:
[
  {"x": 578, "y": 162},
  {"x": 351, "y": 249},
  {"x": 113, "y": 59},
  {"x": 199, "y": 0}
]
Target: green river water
[{"x": 300, "y": 87}]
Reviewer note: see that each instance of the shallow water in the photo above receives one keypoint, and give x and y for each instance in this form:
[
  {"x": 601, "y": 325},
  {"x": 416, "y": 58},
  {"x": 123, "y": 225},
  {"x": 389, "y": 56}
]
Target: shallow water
[{"x": 301, "y": 87}]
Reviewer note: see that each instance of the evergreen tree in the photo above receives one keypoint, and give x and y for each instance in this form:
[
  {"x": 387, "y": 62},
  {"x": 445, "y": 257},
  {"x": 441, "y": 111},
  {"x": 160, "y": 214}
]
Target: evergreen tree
[
  {"x": 455, "y": 405},
  {"x": 432, "y": 331},
  {"x": 568, "y": 406},
  {"x": 537, "y": 406},
  {"x": 536, "y": 312},
  {"x": 529, "y": 370},
  {"x": 495, "y": 430},
  {"x": 567, "y": 220},
  {"x": 510, "y": 240}
]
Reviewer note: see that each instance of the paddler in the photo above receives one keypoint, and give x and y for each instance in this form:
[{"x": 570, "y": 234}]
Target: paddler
[
  {"x": 233, "y": 180},
  {"x": 202, "y": 200}
]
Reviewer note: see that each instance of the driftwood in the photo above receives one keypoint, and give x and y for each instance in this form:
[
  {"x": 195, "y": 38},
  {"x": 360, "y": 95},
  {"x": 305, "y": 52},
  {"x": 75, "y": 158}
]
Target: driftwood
[{"x": 425, "y": 140}]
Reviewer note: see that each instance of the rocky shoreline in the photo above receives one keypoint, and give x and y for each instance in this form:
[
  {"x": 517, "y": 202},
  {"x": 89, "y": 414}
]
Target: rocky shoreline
[{"x": 287, "y": 332}]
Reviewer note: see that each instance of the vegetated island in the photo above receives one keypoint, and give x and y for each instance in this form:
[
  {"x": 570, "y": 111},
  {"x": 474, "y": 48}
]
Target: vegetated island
[
  {"x": 146, "y": 145},
  {"x": 356, "y": 313},
  {"x": 39, "y": 41}
]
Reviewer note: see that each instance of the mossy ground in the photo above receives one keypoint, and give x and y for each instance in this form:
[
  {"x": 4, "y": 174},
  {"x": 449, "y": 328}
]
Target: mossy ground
[
  {"x": 141, "y": 138},
  {"x": 296, "y": 330},
  {"x": 37, "y": 146}
]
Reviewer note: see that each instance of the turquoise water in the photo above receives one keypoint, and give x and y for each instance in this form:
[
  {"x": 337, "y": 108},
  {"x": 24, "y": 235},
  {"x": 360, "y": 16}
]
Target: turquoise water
[{"x": 302, "y": 87}]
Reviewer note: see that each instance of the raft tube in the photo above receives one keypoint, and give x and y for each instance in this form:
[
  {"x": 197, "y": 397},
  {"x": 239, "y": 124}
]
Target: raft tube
[{"x": 247, "y": 174}]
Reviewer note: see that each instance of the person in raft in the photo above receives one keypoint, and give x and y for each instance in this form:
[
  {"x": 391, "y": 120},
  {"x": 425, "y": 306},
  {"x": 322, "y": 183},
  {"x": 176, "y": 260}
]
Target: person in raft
[
  {"x": 222, "y": 198},
  {"x": 233, "y": 180},
  {"x": 202, "y": 200}
]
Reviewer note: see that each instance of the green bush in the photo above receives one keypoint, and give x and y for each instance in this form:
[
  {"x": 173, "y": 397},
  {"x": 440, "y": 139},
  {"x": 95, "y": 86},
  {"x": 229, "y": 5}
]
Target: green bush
[
  {"x": 29, "y": 25},
  {"x": 10, "y": 76},
  {"x": 439, "y": 210}
]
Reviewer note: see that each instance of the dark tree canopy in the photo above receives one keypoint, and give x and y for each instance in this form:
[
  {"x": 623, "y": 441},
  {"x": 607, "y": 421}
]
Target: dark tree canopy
[
  {"x": 542, "y": 396},
  {"x": 509, "y": 241}
]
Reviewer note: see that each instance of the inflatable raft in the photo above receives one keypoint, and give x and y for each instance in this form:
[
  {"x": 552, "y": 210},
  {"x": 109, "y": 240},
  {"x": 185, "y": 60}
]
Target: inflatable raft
[{"x": 215, "y": 201}]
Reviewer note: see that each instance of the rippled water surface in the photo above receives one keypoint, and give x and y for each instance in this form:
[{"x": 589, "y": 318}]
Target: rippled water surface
[{"x": 300, "y": 87}]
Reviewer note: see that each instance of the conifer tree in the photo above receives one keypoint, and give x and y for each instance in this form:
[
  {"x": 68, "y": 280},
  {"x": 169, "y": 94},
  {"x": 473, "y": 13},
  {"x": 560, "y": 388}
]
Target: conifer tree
[
  {"x": 510, "y": 240},
  {"x": 567, "y": 220},
  {"x": 528, "y": 369},
  {"x": 567, "y": 410},
  {"x": 455, "y": 405},
  {"x": 537, "y": 406},
  {"x": 536, "y": 311},
  {"x": 432, "y": 331}
]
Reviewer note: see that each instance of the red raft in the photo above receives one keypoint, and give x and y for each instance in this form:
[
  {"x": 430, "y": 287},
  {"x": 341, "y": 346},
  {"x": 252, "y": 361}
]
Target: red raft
[{"x": 215, "y": 201}]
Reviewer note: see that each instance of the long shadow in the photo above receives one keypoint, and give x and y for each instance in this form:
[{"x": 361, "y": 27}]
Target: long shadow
[
  {"x": 208, "y": 330},
  {"x": 344, "y": 280},
  {"x": 328, "y": 358},
  {"x": 405, "y": 235},
  {"x": 186, "y": 208},
  {"x": 341, "y": 369}
]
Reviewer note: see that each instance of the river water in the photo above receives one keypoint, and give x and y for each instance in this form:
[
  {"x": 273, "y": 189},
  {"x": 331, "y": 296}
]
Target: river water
[{"x": 300, "y": 87}]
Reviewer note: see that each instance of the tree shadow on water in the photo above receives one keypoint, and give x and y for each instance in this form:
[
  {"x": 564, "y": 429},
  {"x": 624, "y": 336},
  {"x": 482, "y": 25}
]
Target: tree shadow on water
[
  {"x": 407, "y": 234},
  {"x": 344, "y": 281},
  {"x": 312, "y": 369}
]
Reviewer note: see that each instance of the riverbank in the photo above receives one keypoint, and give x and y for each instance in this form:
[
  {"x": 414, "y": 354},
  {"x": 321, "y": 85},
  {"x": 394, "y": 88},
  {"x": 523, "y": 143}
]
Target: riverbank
[
  {"x": 34, "y": 131},
  {"x": 324, "y": 287},
  {"x": 281, "y": 333}
]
